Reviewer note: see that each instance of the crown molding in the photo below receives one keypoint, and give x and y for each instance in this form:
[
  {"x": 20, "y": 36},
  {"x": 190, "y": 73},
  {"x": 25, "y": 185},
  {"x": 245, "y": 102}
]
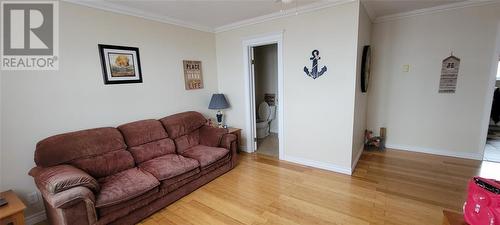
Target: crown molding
[
  {"x": 108, "y": 6},
  {"x": 436, "y": 9},
  {"x": 369, "y": 11},
  {"x": 277, "y": 15},
  {"x": 112, "y": 7}
]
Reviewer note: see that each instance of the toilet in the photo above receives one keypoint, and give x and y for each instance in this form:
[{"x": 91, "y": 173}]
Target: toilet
[{"x": 265, "y": 115}]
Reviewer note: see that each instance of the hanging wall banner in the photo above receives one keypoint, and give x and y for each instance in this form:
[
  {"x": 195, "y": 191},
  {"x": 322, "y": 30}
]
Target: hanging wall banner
[{"x": 449, "y": 75}]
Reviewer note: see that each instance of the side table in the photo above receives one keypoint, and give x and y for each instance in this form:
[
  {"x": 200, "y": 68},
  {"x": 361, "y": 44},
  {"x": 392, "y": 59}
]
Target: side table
[
  {"x": 237, "y": 132},
  {"x": 13, "y": 212}
]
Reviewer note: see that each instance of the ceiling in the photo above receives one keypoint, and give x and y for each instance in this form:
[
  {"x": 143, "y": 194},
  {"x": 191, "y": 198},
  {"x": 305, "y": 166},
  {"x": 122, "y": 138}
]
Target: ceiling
[
  {"x": 211, "y": 13},
  {"x": 378, "y": 8},
  {"x": 217, "y": 15}
]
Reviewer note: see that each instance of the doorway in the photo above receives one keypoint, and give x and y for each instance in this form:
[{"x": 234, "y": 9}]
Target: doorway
[
  {"x": 492, "y": 147},
  {"x": 265, "y": 69},
  {"x": 263, "y": 66}
]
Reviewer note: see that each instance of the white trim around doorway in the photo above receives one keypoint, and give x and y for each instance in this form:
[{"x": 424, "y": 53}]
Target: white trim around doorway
[
  {"x": 489, "y": 96},
  {"x": 248, "y": 43}
]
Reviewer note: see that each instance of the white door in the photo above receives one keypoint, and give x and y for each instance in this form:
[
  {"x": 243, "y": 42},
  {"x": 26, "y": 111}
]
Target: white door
[{"x": 252, "y": 100}]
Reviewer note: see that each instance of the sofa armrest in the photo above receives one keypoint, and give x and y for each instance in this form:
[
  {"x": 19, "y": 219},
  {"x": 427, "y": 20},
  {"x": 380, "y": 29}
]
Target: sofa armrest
[
  {"x": 68, "y": 194},
  {"x": 229, "y": 141},
  {"x": 226, "y": 141},
  {"x": 69, "y": 197},
  {"x": 211, "y": 136},
  {"x": 59, "y": 178},
  {"x": 75, "y": 206}
]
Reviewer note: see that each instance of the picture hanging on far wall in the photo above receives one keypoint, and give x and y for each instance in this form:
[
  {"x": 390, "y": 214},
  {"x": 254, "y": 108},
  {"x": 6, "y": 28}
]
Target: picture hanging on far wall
[
  {"x": 449, "y": 74},
  {"x": 366, "y": 68},
  {"x": 120, "y": 64},
  {"x": 193, "y": 76}
]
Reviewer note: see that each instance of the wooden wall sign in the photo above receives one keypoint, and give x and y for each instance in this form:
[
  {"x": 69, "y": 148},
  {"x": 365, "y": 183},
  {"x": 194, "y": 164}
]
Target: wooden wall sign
[
  {"x": 193, "y": 76},
  {"x": 449, "y": 75}
]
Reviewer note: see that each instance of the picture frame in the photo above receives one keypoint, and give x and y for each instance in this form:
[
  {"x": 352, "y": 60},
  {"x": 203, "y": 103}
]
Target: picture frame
[
  {"x": 120, "y": 64},
  {"x": 193, "y": 74},
  {"x": 366, "y": 68}
]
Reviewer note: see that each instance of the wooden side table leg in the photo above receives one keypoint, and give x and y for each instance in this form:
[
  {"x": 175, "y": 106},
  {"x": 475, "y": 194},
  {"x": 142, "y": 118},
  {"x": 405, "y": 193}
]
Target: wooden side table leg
[{"x": 19, "y": 218}]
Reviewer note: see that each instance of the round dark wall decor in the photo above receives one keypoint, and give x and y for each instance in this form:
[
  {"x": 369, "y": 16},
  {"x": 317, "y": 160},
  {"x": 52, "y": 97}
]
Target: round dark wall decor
[{"x": 365, "y": 68}]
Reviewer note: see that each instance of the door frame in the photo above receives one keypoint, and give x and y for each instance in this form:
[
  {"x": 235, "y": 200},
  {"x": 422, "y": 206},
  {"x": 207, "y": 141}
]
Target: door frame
[
  {"x": 248, "y": 44},
  {"x": 489, "y": 97}
]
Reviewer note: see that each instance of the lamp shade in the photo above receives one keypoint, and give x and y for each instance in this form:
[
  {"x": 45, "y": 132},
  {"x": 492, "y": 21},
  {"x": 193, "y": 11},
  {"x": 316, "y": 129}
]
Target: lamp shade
[{"x": 218, "y": 101}]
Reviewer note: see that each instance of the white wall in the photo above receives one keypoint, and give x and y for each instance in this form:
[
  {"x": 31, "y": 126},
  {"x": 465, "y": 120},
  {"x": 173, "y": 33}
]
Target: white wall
[
  {"x": 318, "y": 119},
  {"x": 39, "y": 104},
  {"x": 266, "y": 77},
  {"x": 360, "y": 106},
  {"x": 408, "y": 104}
]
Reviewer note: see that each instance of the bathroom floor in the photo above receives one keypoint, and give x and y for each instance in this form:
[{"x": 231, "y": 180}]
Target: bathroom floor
[{"x": 268, "y": 145}]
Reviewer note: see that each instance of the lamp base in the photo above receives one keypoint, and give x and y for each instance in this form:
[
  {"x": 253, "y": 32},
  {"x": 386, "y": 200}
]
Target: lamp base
[{"x": 219, "y": 118}]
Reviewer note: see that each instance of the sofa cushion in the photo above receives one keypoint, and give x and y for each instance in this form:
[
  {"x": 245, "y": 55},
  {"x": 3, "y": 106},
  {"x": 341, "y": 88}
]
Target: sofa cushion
[
  {"x": 213, "y": 166},
  {"x": 205, "y": 155},
  {"x": 126, "y": 205},
  {"x": 183, "y": 123},
  {"x": 62, "y": 148},
  {"x": 124, "y": 186},
  {"x": 169, "y": 166},
  {"x": 211, "y": 136},
  {"x": 187, "y": 141},
  {"x": 142, "y": 132},
  {"x": 147, "y": 139},
  {"x": 152, "y": 150},
  {"x": 174, "y": 183},
  {"x": 106, "y": 164}
]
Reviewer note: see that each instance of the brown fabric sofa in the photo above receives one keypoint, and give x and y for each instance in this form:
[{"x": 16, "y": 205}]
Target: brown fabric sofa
[{"x": 122, "y": 175}]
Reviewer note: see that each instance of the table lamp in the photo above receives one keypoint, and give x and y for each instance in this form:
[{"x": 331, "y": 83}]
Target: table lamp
[{"x": 218, "y": 102}]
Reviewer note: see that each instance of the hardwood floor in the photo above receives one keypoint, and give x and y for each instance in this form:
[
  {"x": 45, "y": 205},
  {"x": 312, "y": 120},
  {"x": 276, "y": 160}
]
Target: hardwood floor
[{"x": 392, "y": 187}]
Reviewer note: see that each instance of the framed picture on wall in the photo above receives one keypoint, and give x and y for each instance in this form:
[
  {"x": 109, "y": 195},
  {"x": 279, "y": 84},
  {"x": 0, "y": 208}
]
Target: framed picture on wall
[
  {"x": 365, "y": 68},
  {"x": 193, "y": 74},
  {"x": 120, "y": 64}
]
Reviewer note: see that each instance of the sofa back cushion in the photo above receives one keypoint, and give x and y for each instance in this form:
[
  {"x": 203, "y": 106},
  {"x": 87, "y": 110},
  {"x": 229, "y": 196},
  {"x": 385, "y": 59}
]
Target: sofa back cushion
[
  {"x": 99, "y": 152},
  {"x": 147, "y": 139},
  {"x": 184, "y": 129},
  {"x": 187, "y": 141}
]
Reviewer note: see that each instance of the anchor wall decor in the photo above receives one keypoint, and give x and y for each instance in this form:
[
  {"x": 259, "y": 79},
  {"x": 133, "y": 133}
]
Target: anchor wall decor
[{"x": 314, "y": 70}]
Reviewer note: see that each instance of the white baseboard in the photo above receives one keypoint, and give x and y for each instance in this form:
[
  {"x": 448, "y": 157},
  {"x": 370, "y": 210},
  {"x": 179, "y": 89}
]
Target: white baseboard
[
  {"x": 244, "y": 148},
  {"x": 36, "y": 218},
  {"x": 356, "y": 159},
  {"x": 465, "y": 155},
  {"x": 317, "y": 164}
]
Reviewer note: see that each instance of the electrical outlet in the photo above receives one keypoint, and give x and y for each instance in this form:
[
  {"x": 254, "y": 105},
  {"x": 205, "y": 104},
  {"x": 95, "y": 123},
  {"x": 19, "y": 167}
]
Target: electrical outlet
[{"x": 33, "y": 198}]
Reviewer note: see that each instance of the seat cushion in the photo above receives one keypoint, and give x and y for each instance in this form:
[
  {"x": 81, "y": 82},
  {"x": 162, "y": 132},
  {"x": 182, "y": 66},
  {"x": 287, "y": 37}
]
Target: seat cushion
[
  {"x": 213, "y": 166},
  {"x": 173, "y": 183},
  {"x": 124, "y": 186},
  {"x": 205, "y": 155},
  {"x": 168, "y": 166},
  {"x": 127, "y": 206}
]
